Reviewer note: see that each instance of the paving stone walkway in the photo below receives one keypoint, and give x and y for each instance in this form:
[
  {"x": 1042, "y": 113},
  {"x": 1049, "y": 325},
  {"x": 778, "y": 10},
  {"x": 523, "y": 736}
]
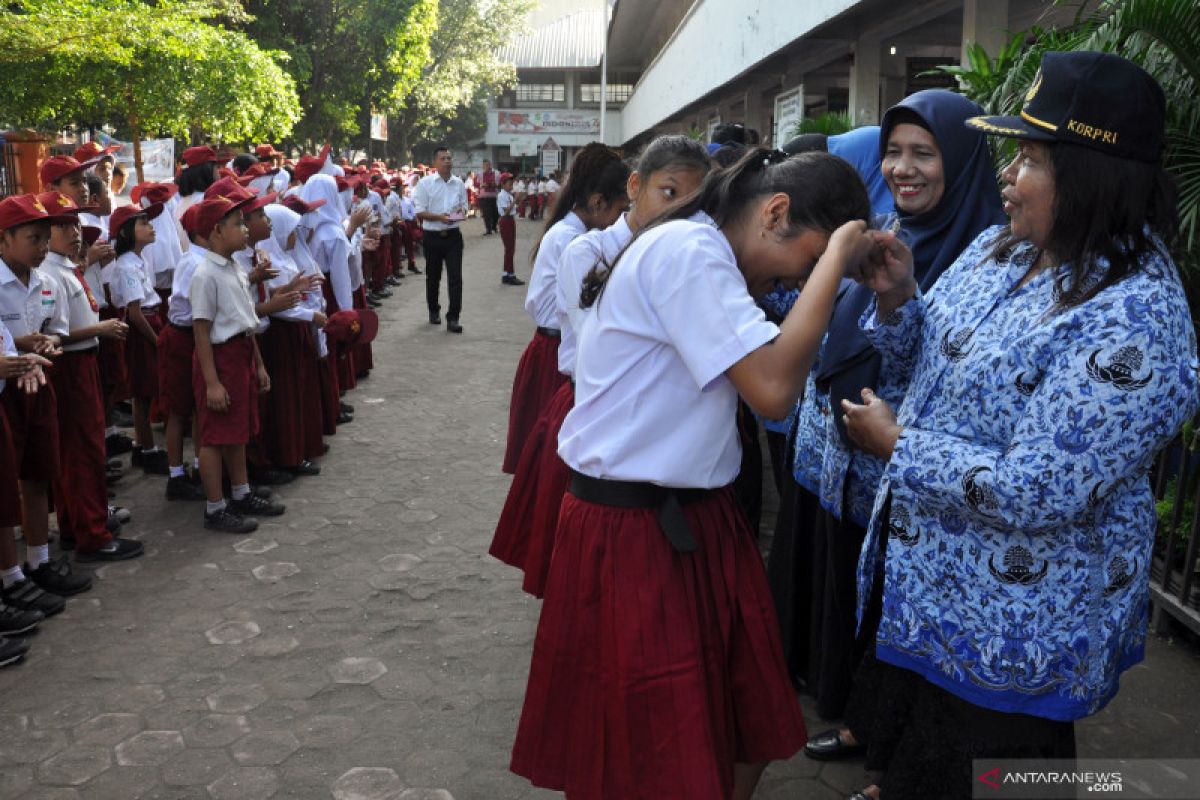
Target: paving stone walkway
[{"x": 363, "y": 646}]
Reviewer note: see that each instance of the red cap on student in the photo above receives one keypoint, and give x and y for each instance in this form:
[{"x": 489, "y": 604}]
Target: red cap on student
[
  {"x": 230, "y": 187},
  {"x": 201, "y": 154},
  {"x": 308, "y": 166},
  {"x": 189, "y": 218},
  {"x": 505, "y": 176},
  {"x": 91, "y": 234},
  {"x": 211, "y": 211},
  {"x": 93, "y": 149},
  {"x": 298, "y": 204},
  {"x": 125, "y": 213},
  {"x": 57, "y": 167},
  {"x": 266, "y": 151},
  {"x": 353, "y": 325},
  {"x": 59, "y": 204},
  {"x": 255, "y": 171},
  {"x": 21, "y": 209},
  {"x": 153, "y": 192}
]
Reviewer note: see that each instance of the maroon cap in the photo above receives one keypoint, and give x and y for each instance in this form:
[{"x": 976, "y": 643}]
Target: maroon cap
[
  {"x": 56, "y": 167},
  {"x": 353, "y": 325},
  {"x": 154, "y": 192},
  {"x": 21, "y": 209},
  {"x": 230, "y": 187},
  {"x": 259, "y": 202},
  {"x": 299, "y": 205},
  {"x": 255, "y": 171},
  {"x": 308, "y": 166},
  {"x": 199, "y": 155},
  {"x": 125, "y": 213},
  {"x": 266, "y": 151},
  {"x": 58, "y": 204},
  {"x": 94, "y": 150},
  {"x": 189, "y": 218},
  {"x": 91, "y": 234},
  {"x": 212, "y": 210}
]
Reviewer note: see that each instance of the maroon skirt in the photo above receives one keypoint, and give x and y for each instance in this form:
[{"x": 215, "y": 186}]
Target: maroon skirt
[
  {"x": 114, "y": 375},
  {"x": 364, "y": 361},
  {"x": 141, "y": 357},
  {"x": 654, "y": 671},
  {"x": 524, "y": 536},
  {"x": 331, "y": 401},
  {"x": 10, "y": 493},
  {"x": 341, "y": 356},
  {"x": 536, "y": 381},
  {"x": 293, "y": 404}
]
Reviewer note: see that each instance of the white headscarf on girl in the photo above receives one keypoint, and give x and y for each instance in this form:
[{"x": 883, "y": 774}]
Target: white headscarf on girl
[
  {"x": 164, "y": 253},
  {"x": 326, "y": 221}
]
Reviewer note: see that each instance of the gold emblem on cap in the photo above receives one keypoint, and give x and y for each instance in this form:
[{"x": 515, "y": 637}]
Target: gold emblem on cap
[
  {"x": 38, "y": 205},
  {"x": 64, "y": 201},
  {"x": 1037, "y": 84}
]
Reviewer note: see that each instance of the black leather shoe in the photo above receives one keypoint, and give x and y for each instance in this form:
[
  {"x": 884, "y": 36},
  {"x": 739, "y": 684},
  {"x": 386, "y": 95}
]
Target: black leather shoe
[
  {"x": 414, "y": 271},
  {"x": 12, "y": 650},
  {"x": 271, "y": 477},
  {"x": 452, "y": 326},
  {"x": 374, "y": 303},
  {"x": 435, "y": 318},
  {"x": 828, "y": 746},
  {"x": 347, "y": 408},
  {"x": 512, "y": 280},
  {"x": 344, "y": 418},
  {"x": 305, "y": 467}
]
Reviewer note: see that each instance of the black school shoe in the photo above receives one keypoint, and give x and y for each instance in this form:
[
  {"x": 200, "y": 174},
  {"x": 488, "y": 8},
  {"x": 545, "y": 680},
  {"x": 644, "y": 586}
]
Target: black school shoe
[
  {"x": 344, "y": 418},
  {"x": 56, "y": 577},
  {"x": 305, "y": 467},
  {"x": 828, "y": 746},
  {"x": 452, "y": 326},
  {"x": 271, "y": 477},
  {"x": 116, "y": 444},
  {"x": 413, "y": 270},
  {"x": 226, "y": 521},
  {"x": 347, "y": 408},
  {"x": 254, "y": 506},
  {"x": 114, "y": 550},
  {"x": 15, "y": 621},
  {"x": 26, "y": 596},
  {"x": 181, "y": 487},
  {"x": 152, "y": 462},
  {"x": 12, "y": 651},
  {"x": 512, "y": 280}
]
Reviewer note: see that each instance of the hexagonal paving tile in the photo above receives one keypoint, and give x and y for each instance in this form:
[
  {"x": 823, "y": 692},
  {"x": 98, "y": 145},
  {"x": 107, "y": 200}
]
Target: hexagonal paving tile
[
  {"x": 233, "y": 632},
  {"x": 399, "y": 562},
  {"x": 196, "y": 767},
  {"x": 357, "y": 669},
  {"x": 245, "y": 783},
  {"x": 367, "y": 783},
  {"x": 328, "y": 731},
  {"x": 276, "y": 570},
  {"x": 268, "y": 747},
  {"x": 272, "y": 646},
  {"x": 149, "y": 748},
  {"x": 236, "y": 699},
  {"x": 134, "y": 697},
  {"x": 66, "y": 714},
  {"x": 425, "y": 794},
  {"x": 107, "y": 729},
  {"x": 75, "y": 766},
  {"x": 216, "y": 730},
  {"x": 255, "y": 546}
]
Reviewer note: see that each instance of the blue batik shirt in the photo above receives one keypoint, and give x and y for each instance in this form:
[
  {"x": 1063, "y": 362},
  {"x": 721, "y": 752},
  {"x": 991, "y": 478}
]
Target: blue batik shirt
[{"x": 1021, "y": 523}]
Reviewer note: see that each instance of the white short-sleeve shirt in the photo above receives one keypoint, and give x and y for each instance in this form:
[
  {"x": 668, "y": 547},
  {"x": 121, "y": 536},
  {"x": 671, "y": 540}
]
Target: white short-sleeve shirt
[
  {"x": 504, "y": 204},
  {"x": 652, "y": 401},
  {"x": 220, "y": 292},
  {"x": 540, "y": 303},
  {"x": 131, "y": 282},
  {"x": 519, "y": 187},
  {"x": 35, "y": 307},
  {"x": 76, "y": 302},
  {"x": 583, "y": 253},
  {"x": 7, "y": 347},
  {"x": 179, "y": 304}
]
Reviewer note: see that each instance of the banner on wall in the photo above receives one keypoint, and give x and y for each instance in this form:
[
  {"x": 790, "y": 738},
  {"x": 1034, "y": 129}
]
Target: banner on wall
[
  {"x": 379, "y": 131},
  {"x": 789, "y": 111},
  {"x": 158, "y": 158},
  {"x": 525, "y": 122}
]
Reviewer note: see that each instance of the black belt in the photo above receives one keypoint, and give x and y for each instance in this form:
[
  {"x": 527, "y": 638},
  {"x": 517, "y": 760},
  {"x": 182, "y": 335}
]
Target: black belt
[
  {"x": 444, "y": 234},
  {"x": 185, "y": 328},
  {"x": 553, "y": 333},
  {"x": 87, "y": 351},
  {"x": 633, "y": 494}
]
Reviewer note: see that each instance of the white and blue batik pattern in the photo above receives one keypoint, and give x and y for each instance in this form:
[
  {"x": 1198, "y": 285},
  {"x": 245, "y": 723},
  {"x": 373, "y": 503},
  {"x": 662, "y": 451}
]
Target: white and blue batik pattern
[{"x": 1022, "y": 519}]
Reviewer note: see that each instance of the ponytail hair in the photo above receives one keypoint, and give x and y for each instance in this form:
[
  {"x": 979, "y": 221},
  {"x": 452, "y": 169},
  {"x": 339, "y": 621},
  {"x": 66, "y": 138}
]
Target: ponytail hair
[
  {"x": 597, "y": 168},
  {"x": 197, "y": 178},
  {"x": 126, "y": 238},
  {"x": 824, "y": 193},
  {"x": 673, "y": 152}
]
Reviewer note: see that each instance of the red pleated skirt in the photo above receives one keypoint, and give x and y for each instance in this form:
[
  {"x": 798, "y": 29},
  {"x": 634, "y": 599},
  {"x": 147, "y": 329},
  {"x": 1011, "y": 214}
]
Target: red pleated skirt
[
  {"x": 653, "y": 671},
  {"x": 141, "y": 357},
  {"x": 364, "y": 361},
  {"x": 536, "y": 381},
  {"x": 331, "y": 401},
  {"x": 10, "y": 493},
  {"x": 114, "y": 374},
  {"x": 292, "y": 406},
  {"x": 524, "y": 536}
]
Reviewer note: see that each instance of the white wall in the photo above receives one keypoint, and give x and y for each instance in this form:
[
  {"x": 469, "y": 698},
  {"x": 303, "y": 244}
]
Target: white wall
[{"x": 717, "y": 41}]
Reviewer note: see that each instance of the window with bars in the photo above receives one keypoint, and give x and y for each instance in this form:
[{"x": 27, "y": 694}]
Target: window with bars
[
  {"x": 541, "y": 92},
  {"x": 617, "y": 92}
]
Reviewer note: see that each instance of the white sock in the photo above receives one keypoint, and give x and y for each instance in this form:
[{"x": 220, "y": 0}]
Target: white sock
[
  {"x": 196, "y": 463},
  {"x": 213, "y": 508},
  {"x": 151, "y": 449},
  {"x": 111, "y": 430},
  {"x": 38, "y": 554},
  {"x": 11, "y": 575},
  {"x": 240, "y": 492},
  {"x": 176, "y": 472}
]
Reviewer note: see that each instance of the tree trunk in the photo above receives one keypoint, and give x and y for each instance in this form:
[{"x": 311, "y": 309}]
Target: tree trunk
[{"x": 135, "y": 130}]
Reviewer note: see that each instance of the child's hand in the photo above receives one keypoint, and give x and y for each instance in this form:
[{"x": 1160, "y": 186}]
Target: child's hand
[
  {"x": 264, "y": 381},
  {"x": 34, "y": 378},
  {"x": 217, "y": 398},
  {"x": 38, "y": 343},
  {"x": 113, "y": 329},
  {"x": 891, "y": 268},
  {"x": 14, "y": 366},
  {"x": 281, "y": 301},
  {"x": 319, "y": 319}
]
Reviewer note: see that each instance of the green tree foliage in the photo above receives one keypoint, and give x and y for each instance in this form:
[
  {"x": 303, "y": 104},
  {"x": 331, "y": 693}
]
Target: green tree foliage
[
  {"x": 163, "y": 67},
  {"x": 347, "y": 57},
  {"x": 830, "y": 123},
  {"x": 1163, "y": 36},
  {"x": 463, "y": 71}
]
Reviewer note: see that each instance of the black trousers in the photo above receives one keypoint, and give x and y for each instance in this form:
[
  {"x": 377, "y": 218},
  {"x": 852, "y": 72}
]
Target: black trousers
[
  {"x": 441, "y": 250},
  {"x": 491, "y": 215}
]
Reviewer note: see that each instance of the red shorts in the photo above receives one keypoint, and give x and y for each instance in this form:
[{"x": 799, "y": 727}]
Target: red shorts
[
  {"x": 175, "y": 349},
  {"x": 141, "y": 357},
  {"x": 234, "y": 361},
  {"x": 33, "y": 420},
  {"x": 10, "y": 495}
]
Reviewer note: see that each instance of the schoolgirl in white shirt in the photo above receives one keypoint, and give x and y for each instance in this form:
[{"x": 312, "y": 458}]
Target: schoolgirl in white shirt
[
  {"x": 594, "y": 198},
  {"x": 671, "y": 167},
  {"x": 657, "y": 669}
]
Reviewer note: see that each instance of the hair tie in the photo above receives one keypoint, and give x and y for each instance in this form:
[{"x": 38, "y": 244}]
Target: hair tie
[{"x": 774, "y": 157}]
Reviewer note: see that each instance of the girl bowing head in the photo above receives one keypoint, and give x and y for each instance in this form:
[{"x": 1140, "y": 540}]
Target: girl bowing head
[{"x": 657, "y": 670}]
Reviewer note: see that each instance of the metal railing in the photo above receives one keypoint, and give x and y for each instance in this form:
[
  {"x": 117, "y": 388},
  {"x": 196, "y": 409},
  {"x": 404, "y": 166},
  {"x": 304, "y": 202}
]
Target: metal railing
[
  {"x": 8, "y": 168},
  {"x": 1174, "y": 590}
]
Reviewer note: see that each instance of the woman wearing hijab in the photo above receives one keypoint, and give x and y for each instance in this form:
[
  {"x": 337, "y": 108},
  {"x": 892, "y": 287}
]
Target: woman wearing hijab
[
  {"x": 1004, "y": 582},
  {"x": 942, "y": 183}
]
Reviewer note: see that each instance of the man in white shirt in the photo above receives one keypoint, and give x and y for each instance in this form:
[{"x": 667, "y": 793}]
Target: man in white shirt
[{"x": 441, "y": 203}]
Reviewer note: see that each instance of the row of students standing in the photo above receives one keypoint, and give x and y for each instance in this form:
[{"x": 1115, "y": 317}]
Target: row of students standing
[{"x": 231, "y": 350}]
